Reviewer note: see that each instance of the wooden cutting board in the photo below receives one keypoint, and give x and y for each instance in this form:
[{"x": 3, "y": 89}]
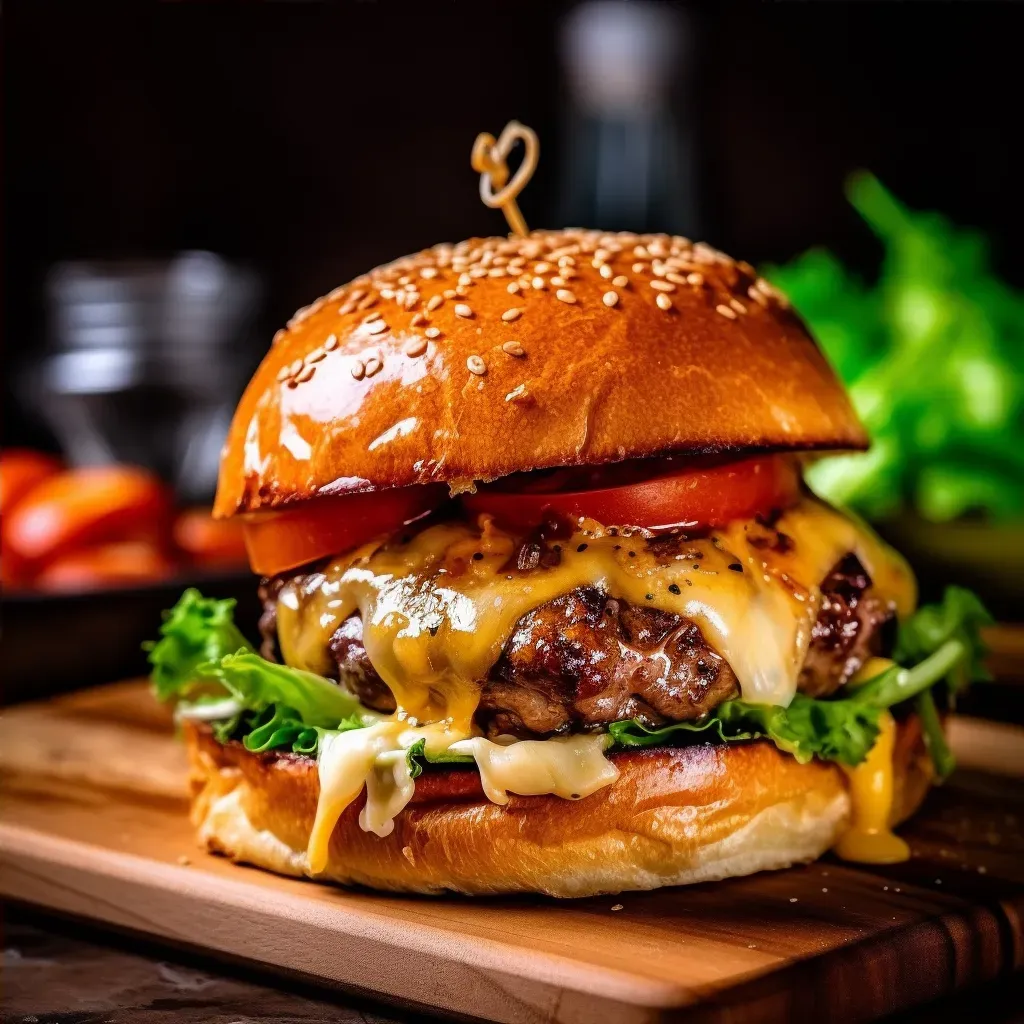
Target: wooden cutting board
[{"x": 94, "y": 823}]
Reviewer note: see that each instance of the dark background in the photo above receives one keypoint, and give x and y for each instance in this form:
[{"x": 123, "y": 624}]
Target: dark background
[{"x": 313, "y": 140}]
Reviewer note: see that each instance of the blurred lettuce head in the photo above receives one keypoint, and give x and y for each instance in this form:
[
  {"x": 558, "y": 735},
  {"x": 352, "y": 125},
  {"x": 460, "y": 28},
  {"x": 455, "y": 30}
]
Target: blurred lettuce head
[{"x": 933, "y": 355}]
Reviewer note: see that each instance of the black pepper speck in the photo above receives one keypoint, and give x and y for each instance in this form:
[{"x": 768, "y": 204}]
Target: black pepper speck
[
  {"x": 582, "y": 547},
  {"x": 736, "y": 567},
  {"x": 673, "y": 588}
]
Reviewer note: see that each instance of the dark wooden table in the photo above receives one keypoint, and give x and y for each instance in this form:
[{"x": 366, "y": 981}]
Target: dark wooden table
[{"x": 58, "y": 971}]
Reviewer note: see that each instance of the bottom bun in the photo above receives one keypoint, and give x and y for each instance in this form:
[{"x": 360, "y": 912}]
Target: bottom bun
[{"x": 674, "y": 816}]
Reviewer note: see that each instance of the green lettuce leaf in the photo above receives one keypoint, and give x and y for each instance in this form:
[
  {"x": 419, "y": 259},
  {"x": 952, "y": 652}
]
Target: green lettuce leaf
[
  {"x": 257, "y": 684},
  {"x": 842, "y": 731},
  {"x": 959, "y": 616},
  {"x": 416, "y": 755},
  {"x": 202, "y": 657},
  {"x": 930, "y": 351},
  {"x": 196, "y": 631},
  {"x": 940, "y": 643}
]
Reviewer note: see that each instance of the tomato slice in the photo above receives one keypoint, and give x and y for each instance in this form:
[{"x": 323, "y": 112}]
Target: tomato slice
[
  {"x": 20, "y": 470},
  {"x": 84, "y": 507},
  {"x": 208, "y": 541},
  {"x": 277, "y": 541},
  {"x": 694, "y": 496},
  {"x": 107, "y": 565}
]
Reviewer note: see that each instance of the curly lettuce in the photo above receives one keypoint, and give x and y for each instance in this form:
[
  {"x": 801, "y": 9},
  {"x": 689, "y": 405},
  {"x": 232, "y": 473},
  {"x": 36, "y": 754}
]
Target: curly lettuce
[
  {"x": 203, "y": 663},
  {"x": 940, "y": 644},
  {"x": 202, "y": 660}
]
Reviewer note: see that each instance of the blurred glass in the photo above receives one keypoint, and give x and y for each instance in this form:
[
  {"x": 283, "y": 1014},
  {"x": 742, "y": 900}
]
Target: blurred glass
[
  {"x": 629, "y": 148},
  {"x": 145, "y": 363}
]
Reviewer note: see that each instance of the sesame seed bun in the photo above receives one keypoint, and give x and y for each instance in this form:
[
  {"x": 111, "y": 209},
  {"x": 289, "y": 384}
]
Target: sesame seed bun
[
  {"x": 673, "y": 817},
  {"x": 499, "y": 355}
]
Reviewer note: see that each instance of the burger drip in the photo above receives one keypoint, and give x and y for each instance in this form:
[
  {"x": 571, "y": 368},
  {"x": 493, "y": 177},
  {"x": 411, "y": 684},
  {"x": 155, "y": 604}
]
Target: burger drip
[{"x": 438, "y": 608}]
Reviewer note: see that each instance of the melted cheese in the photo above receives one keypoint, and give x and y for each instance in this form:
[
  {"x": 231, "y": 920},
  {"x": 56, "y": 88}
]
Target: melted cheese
[
  {"x": 869, "y": 839},
  {"x": 346, "y": 761},
  {"x": 571, "y": 767},
  {"x": 435, "y": 617},
  {"x": 438, "y": 609}
]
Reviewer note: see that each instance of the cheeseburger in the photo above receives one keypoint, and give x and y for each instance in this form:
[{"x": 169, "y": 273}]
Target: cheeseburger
[{"x": 546, "y": 604}]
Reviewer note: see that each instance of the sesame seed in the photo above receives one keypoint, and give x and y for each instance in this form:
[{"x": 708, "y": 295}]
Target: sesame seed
[
  {"x": 476, "y": 365},
  {"x": 415, "y": 347},
  {"x": 434, "y": 302},
  {"x": 347, "y": 307},
  {"x": 449, "y": 293},
  {"x": 371, "y": 318},
  {"x": 639, "y": 268},
  {"x": 477, "y": 272},
  {"x": 461, "y": 290},
  {"x": 606, "y": 271},
  {"x": 358, "y": 369},
  {"x": 294, "y": 368},
  {"x": 558, "y": 282},
  {"x": 315, "y": 356},
  {"x": 387, "y": 293},
  {"x": 727, "y": 311},
  {"x": 461, "y": 309},
  {"x": 373, "y": 365},
  {"x": 330, "y": 343},
  {"x": 368, "y": 302},
  {"x": 284, "y": 373},
  {"x": 663, "y": 301},
  {"x": 621, "y": 281},
  {"x": 610, "y": 299},
  {"x": 513, "y": 348},
  {"x": 663, "y": 286},
  {"x": 357, "y": 294},
  {"x": 511, "y": 314},
  {"x": 640, "y": 251},
  {"x": 378, "y": 327},
  {"x": 465, "y": 280},
  {"x": 539, "y": 283},
  {"x": 671, "y": 275},
  {"x": 497, "y": 272},
  {"x": 542, "y": 268},
  {"x": 737, "y": 305},
  {"x": 304, "y": 374},
  {"x": 428, "y": 273},
  {"x": 695, "y": 278},
  {"x": 564, "y": 295},
  {"x": 512, "y": 288}
]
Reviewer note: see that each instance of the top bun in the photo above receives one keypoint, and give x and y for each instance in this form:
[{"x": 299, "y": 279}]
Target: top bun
[{"x": 472, "y": 361}]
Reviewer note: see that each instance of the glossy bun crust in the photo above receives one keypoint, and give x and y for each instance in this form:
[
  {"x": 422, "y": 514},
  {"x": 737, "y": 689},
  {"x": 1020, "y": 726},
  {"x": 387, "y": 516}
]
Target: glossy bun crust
[
  {"x": 499, "y": 355},
  {"x": 693, "y": 814}
]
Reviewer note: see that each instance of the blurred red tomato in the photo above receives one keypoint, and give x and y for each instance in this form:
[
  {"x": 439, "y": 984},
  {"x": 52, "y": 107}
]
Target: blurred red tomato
[
  {"x": 84, "y": 507},
  {"x": 106, "y": 565},
  {"x": 209, "y": 541},
  {"x": 20, "y": 471}
]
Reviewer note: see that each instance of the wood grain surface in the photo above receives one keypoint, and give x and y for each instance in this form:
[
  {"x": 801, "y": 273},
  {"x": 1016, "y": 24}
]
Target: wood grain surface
[{"x": 94, "y": 823}]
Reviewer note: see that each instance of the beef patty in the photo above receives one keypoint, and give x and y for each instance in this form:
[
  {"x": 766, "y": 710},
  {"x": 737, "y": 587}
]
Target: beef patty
[{"x": 585, "y": 659}]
